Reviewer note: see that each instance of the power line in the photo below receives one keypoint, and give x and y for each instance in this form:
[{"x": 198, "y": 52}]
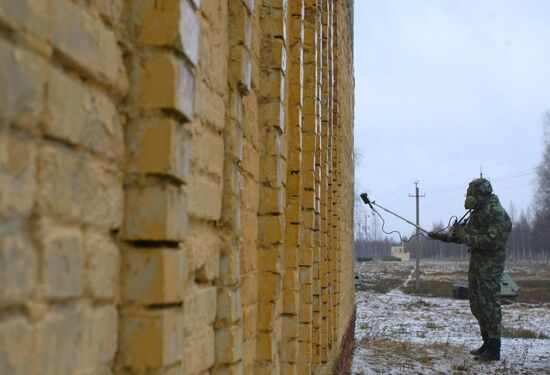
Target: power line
[{"x": 485, "y": 167}]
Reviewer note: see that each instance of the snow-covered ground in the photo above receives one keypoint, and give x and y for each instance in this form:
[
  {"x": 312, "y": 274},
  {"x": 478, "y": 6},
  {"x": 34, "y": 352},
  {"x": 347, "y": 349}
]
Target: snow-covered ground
[{"x": 398, "y": 333}]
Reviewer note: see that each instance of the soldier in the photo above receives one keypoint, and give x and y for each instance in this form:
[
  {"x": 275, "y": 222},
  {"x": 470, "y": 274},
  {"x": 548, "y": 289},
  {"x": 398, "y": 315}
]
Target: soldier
[{"x": 485, "y": 234}]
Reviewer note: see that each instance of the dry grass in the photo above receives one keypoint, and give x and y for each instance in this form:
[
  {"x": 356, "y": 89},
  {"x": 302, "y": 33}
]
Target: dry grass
[
  {"x": 432, "y": 288},
  {"x": 522, "y": 333},
  {"x": 533, "y": 291}
]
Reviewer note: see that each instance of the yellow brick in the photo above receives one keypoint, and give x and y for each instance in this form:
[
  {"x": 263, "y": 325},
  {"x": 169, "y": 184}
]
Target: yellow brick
[
  {"x": 249, "y": 288},
  {"x": 274, "y": 27},
  {"x": 229, "y": 344},
  {"x": 209, "y": 106},
  {"x": 249, "y": 355},
  {"x": 110, "y": 10},
  {"x": 293, "y": 211},
  {"x": 17, "y": 176},
  {"x": 269, "y": 286},
  {"x": 286, "y": 367},
  {"x": 233, "y": 369},
  {"x": 251, "y": 158},
  {"x": 18, "y": 266},
  {"x": 103, "y": 264},
  {"x": 204, "y": 198},
  {"x": 230, "y": 268},
  {"x": 203, "y": 252},
  {"x": 249, "y": 258},
  {"x": 155, "y": 213},
  {"x": 290, "y": 279},
  {"x": 241, "y": 30},
  {"x": 273, "y": 85},
  {"x": 77, "y": 188},
  {"x": 158, "y": 146},
  {"x": 206, "y": 150},
  {"x": 165, "y": 82},
  {"x": 266, "y": 315},
  {"x": 306, "y": 311},
  {"x": 240, "y": 69},
  {"x": 171, "y": 23},
  {"x": 29, "y": 16},
  {"x": 271, "y": 200},
  {"x": 269, "y": 260},
  {"x": 86, "y": 118},
  {"x": 291, "y": 256},
  {"x": 289, "y": 349},
  {"x": 23, "y": 75},
  {"x": 200, "y": 355},
  {"x": 290, "y": 302},
  {"x": 229, "y": 305},
  {"x": 305, "y": 255},
  {"x": 199, "y": 309},
  {"x": 152, "y": 276},
  {"x": 250, "y": 322},
  {"x": 293, "y": 236},
  {"x": 271, "y": 114},
  {"x": 213, "y": 53},
  {"x": 88, "y": 43},
  {"x": 271, "y": 229},
  {"x": 16, "y": 342},
  {"x": 305, "y": 332},
  {"x": 250, "y": 195},
  {"x": 99, "y": 337},
  {"x": 63, "y": 261},
  {"x": 150, "y": 339},
  {"x": 265, "y": 347},
  {"x": 294, "y": 160},
  {"x": 294, "y": 184}
]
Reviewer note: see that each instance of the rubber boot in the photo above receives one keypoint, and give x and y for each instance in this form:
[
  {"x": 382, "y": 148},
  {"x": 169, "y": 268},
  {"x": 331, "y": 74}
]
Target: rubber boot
[
  {"x": 492, "y": 353},
  {"x": 482, "y": 348}
]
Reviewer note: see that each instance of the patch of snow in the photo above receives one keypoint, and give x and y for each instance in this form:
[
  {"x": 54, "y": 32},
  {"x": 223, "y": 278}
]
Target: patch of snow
[{"x": 406, "y": 334}]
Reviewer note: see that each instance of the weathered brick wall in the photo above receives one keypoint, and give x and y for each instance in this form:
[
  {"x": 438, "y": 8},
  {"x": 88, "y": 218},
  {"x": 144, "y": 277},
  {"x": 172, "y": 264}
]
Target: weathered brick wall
[{"x": 175, "y": 186}]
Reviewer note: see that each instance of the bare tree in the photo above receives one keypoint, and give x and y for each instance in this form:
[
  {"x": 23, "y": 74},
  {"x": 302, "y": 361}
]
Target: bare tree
[{"x": 541, "y": 225}]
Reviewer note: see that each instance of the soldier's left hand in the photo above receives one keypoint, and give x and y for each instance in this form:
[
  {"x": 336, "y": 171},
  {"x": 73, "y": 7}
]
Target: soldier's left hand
[{"x": 458, "y": 235}]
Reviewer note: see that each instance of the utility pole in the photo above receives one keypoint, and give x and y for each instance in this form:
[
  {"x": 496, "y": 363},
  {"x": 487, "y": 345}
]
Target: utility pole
[
  {"x": 417, "y": 239},
  {"x": 366, "y": 234}
]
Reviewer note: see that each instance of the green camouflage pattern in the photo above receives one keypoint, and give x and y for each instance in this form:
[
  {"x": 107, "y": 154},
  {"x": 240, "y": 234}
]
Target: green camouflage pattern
[
  {"x": 486, "y": 234},
  {"x": 480, "y": 186}
]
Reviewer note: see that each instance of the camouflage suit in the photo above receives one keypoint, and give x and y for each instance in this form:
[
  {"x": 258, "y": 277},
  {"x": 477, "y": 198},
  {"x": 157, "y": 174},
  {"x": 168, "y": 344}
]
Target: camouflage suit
[{"x": 486, "y": 234}]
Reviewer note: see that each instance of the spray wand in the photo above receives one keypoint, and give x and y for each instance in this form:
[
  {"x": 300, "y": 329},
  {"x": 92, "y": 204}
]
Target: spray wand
[{"x": 366, "y": 199}]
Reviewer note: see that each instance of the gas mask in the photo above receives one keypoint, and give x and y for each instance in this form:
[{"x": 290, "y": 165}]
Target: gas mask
[
  {"x": 478, "y": 190},
  {"x": 470, "y": 202}
]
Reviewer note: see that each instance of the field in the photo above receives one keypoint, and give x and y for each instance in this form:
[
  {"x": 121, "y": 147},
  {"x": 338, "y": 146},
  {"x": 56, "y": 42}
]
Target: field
[{"x": 402, "y": 331}]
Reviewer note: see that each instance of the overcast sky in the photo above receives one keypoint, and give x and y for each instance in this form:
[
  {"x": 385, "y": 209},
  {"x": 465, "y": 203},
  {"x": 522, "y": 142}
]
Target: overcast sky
[{"x": 444, "y": 87}]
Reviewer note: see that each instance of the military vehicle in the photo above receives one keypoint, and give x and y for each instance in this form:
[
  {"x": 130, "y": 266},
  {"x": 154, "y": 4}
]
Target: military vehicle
[{"x": 508, "y": 288}]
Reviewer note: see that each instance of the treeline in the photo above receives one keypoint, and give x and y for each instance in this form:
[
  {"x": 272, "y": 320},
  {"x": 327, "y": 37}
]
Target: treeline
[
  {"x": 527, "y": 242},
  {"x": 430, "y": 249}
]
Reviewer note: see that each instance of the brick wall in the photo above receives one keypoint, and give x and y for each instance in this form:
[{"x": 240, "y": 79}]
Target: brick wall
[{"x": 175, "y": 186}]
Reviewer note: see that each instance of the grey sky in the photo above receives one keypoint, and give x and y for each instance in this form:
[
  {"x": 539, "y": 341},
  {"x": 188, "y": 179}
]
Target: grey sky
[{"x": 442, "y": 88}]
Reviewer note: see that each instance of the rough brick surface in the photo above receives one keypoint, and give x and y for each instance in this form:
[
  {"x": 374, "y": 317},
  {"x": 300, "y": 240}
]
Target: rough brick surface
[
  {"x": 176, "y": 186},
  {"x": 155, "y": 212},
  {"x": 165, "y": 82},
  {"x": 152, "y": 276},
  {"x": 64, "y": 261},
  {"x": 77, "y": 188},
  {"x": 16, "y": 341},
  {"x": 87, "y": 43}
]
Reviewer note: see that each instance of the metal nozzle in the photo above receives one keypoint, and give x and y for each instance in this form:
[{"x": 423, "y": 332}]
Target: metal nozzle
[{"x": 366, "y": 199}]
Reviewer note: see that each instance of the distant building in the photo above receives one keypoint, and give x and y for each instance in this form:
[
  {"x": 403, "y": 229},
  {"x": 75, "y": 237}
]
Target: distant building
[{"x": 399, "y": 252}]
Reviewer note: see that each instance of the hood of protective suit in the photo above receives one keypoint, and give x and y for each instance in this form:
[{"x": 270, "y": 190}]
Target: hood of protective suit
[{"x": 479, "y": 190}]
